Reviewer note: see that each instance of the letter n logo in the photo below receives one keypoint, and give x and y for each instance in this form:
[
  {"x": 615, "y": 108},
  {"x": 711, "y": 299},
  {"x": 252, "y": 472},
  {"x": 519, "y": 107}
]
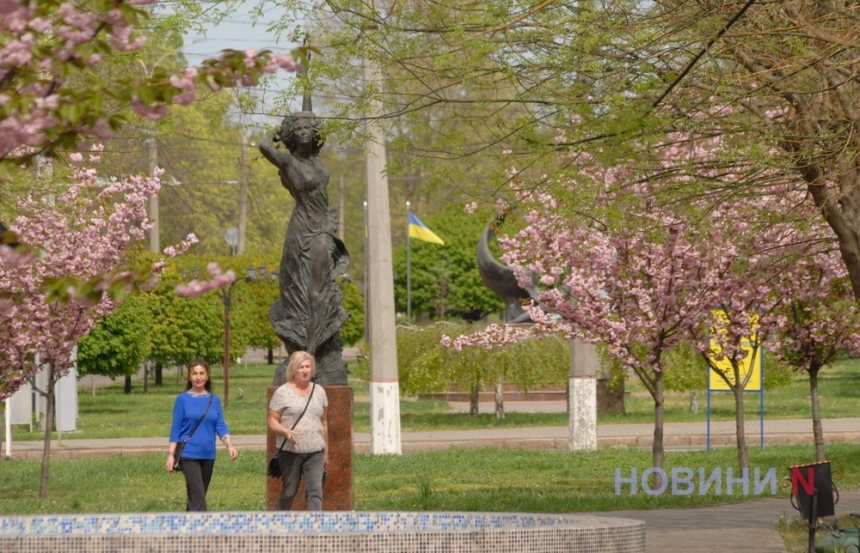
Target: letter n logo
[{"x": 808, "y": 483}]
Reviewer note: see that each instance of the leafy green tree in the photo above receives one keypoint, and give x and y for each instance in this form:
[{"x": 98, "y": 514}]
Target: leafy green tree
[
  {"x": 504, "y": 76},
  {"x": 183, "y": 328},
  {"x": 118, "y": 343},
  {"x": 251, "y": 325},
  {"x": 252, "y": 295},
  {"x": 611, "y": 77},
  {"x": 200, "y": 147},
  {"x": 445, "y": 282},
  {"x": 687, "y": 372},
  {"x": 353, "y": 301},
  {"x": 425, "y": 365}
]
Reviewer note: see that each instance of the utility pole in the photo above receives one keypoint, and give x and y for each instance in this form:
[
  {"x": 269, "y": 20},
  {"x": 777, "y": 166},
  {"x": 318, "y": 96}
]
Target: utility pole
[
  {"x": 243, "y": 190},
  {"x": 384, "y": 386},
  {"x": 154, "y": 237},
  {"x": 154, "y": 233},
  {"x": 366, "y": 279},
  {"x": 341, "y": 211},
  {"x": 582, "y": 398}
]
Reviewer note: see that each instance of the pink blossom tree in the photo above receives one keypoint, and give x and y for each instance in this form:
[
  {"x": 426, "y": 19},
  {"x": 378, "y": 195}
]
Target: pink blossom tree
[
  {"x": 787, "y": 290},
  {"x": 82, "y": 235},
  {"x": 819, "y": 321},
  {"x": 639, "y": 288},
  {"x": 752, "y": 246},
  {"x": 45, "y": 45},
  {"x": 642, "y": 281},
  {"x": 70, "y": 268}
]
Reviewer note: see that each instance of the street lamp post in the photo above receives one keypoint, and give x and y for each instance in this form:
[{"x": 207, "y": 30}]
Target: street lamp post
[
  {"x": 227, "y": 297},
  {"x": 273, "y": 277},
  {"x": 231, "y": 236}
]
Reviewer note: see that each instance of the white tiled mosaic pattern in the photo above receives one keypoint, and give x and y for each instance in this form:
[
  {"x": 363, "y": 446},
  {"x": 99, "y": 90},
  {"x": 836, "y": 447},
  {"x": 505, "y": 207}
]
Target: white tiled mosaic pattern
[{"x": 327, "y": 532}]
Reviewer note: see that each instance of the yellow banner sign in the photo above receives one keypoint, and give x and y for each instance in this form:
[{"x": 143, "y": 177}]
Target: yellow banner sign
[{"x": 752, "y": 362}]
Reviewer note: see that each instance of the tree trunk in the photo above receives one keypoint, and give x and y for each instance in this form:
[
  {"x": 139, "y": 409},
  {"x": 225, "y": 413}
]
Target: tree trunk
[
  {"x": 500, "y": 400},
  {"x": 93, "y": 384},
  {"x": 657, "y": 452},
  {"x": 738, "y": 391},
  {"x": 819, "y": 130},
  {"x": 270, "y": 356},
  {"x": 841, "y": 215},
  {"x": 817, "y": 430},
  {"x": 159, "y": 374},
  {"x": 473, "y": 399},
  {"x": 49, "y": 427},
  {"x": 146, "y": 377},
  {"x": 127, "y": 388},
  {"x": 609, "y": 401}
]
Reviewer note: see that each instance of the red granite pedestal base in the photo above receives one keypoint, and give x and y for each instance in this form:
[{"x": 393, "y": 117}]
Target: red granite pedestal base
[{"x": 337, "y": 491}]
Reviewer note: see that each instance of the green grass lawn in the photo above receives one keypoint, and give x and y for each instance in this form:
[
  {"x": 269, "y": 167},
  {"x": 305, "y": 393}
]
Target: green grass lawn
[
  {"x": 114, "y": 414},
  {"x": 838, "y": 389},
  {"x": 453, "y": 479}
]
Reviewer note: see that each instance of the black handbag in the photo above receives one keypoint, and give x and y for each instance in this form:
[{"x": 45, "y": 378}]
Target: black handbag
[
  {"x": 177, "y": 453},
  {"x": 274, "y": 468}
]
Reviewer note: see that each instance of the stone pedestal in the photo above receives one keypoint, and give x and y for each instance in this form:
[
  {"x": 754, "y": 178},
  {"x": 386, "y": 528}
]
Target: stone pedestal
[{"x": 337, "y": 491}]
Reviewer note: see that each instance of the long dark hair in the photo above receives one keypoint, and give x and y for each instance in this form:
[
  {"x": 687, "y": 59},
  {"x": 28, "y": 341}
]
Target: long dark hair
[{"x": 205, "y": 365}]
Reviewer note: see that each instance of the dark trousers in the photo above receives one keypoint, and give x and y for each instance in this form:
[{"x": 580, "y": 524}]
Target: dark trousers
[
  {"x": 198, "y": 473},
  {"x": 293, "y": 467}
]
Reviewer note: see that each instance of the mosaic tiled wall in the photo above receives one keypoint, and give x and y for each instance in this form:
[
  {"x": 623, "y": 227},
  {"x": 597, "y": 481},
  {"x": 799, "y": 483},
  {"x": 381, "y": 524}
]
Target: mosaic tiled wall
[{"x": 286, "y": 532}]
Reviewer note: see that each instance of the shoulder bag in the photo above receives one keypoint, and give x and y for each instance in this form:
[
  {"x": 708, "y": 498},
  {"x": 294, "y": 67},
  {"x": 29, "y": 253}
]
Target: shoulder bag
[
  {"x": 177, "y": 453},
  {"x": 274, "y": 468}
]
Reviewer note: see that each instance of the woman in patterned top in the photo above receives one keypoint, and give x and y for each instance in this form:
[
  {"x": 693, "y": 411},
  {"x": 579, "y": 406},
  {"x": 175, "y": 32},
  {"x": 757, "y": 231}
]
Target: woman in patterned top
[{"x": 305, "y": 452}]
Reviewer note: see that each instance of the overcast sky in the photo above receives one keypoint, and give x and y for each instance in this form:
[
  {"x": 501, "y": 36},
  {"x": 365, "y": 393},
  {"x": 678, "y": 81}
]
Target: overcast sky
[{"x": 239, "y": 32}]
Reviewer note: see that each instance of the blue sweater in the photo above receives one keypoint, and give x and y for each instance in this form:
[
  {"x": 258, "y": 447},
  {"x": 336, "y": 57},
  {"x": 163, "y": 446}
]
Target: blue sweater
[{"x": 186, "y": 412}]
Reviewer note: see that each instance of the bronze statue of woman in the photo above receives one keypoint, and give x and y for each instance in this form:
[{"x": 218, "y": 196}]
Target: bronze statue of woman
[{"x": 308, "y": 314}]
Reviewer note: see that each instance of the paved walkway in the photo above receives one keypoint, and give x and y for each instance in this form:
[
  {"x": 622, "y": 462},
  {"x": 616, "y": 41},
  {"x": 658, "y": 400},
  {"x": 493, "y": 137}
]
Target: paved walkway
[
  {"x": 748, "y": 526},
  {"x": 688, "y": 435}
]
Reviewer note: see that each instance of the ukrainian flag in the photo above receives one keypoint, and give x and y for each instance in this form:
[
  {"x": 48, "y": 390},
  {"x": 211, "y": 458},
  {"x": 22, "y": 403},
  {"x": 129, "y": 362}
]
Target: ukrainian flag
[{"x": 419, "y": 230}]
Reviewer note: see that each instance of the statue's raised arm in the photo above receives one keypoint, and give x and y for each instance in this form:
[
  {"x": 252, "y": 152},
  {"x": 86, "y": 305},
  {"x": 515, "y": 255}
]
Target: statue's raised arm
[{"x": 271, "y": 152}]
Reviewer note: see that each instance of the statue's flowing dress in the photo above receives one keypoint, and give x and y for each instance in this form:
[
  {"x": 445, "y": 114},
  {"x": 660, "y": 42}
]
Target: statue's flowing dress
[{"x": 308, "y": 314}]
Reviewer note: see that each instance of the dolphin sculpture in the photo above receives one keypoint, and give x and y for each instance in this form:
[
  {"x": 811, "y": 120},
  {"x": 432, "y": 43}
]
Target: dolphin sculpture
[{"x": 501, "y": 279}]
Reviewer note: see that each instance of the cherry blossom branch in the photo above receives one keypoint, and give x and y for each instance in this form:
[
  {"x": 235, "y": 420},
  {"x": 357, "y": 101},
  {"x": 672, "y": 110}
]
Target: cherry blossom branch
[{"x": 199, "y": 287}]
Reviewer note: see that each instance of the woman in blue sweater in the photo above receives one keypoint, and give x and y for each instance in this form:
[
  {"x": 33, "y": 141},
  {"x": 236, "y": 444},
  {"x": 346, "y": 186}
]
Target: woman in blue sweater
[{"x": 198, "y": 455}]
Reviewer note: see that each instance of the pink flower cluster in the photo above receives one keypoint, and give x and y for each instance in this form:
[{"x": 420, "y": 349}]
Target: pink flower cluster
[
  {"x": 199, "y": 287},
  {"x": 33, "y": 72},
  {"x": 79, "y": 236}
]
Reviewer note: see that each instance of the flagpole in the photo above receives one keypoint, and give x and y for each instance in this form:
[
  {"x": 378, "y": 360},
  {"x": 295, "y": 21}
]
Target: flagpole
[{"x": 408, "y": 269}]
